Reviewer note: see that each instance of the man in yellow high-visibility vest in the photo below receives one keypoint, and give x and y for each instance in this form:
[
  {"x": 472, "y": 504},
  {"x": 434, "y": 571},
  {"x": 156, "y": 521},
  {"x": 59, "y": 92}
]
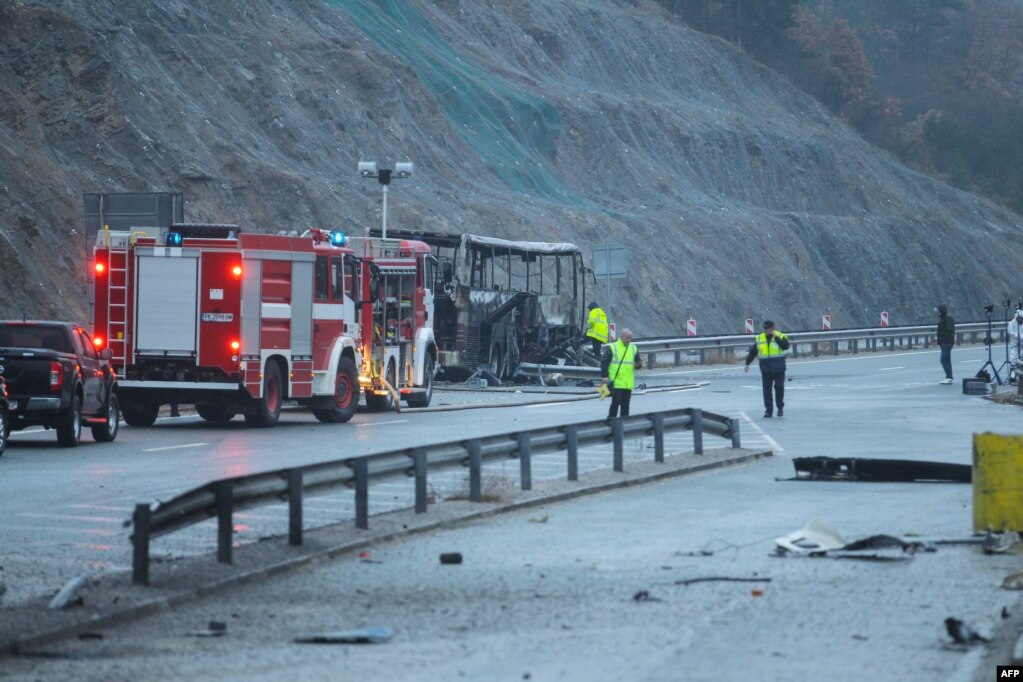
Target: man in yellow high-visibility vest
[
  {"x": 771, "y": 347},
  {"x": 596, "y": 328},
  {"x": 618, "y": 365}
]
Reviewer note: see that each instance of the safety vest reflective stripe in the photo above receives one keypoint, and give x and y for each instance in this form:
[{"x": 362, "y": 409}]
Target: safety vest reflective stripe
[
  {"x": 770, "y": 349},
  {"x": 622, "y": 372},
  {"x": 596, "y": 325}
]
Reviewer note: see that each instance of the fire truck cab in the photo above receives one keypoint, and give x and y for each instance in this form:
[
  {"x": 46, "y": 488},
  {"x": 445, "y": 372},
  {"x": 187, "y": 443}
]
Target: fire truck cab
[{"x": 237, "y": 323}]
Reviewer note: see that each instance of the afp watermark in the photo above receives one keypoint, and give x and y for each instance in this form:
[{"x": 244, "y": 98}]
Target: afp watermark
[{"x": 1010, "y": 672}]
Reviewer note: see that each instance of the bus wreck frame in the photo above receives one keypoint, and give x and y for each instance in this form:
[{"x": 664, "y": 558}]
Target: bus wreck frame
[{"x": 500, "y": 302}]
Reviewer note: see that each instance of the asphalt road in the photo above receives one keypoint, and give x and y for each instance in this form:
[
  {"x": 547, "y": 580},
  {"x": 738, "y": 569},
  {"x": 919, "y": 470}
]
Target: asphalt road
[{"x": 553, "y": 599}]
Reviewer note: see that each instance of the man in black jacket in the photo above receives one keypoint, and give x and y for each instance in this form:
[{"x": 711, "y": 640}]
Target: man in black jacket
[{"x": 946, "y": 339}]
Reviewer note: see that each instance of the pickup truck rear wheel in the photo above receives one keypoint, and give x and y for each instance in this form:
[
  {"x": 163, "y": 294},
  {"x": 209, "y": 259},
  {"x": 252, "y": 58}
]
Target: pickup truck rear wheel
[
  {"x": 106, "y": 433},
  {"x": 268, "y": 408},
  {"x": 140, "y": 414},
  {"x": 346, "y": 395},
  {"x": 69, "y": 426}
]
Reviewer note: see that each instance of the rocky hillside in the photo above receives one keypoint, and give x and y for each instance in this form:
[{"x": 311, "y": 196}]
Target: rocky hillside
[{"x": 737, "y": 195}]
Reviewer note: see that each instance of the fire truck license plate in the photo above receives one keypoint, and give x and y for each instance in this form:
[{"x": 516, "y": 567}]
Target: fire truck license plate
[{"x": 217, "y": 317}]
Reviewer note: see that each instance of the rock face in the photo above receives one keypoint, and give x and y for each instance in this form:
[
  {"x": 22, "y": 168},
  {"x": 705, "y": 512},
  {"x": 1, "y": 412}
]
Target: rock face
[{"x": 736, "y": 194}]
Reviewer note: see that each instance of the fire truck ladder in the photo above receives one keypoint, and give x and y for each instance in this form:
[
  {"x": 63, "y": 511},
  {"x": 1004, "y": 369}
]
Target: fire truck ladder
[{"x": 117, "y": 305}]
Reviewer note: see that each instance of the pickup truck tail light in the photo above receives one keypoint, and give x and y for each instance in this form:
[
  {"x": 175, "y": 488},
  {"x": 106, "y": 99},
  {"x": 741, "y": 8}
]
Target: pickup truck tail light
[{"x": 56, "y": 376}]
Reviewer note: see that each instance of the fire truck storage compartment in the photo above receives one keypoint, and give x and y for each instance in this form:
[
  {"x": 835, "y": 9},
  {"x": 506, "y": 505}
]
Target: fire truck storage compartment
[{"x": 165, "y": 310}]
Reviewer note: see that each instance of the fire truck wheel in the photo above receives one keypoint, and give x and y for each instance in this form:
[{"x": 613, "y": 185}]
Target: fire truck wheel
[
  {"x": 141, "y": 414},
  {"x": 69, "y": 428},
  {"x": 106, "y": 433},
  {"x": 214, "y": 412},
  {"x": 382, "y": 403},
  {"x": 268, "y": 408},
  {"x": 423, "y": 399},
  {"x": 346, "y": 395}
]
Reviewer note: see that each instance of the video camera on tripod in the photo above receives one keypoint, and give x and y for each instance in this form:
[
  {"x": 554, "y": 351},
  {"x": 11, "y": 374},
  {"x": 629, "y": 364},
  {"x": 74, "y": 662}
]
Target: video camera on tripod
[{"x": 988, "y": 341}]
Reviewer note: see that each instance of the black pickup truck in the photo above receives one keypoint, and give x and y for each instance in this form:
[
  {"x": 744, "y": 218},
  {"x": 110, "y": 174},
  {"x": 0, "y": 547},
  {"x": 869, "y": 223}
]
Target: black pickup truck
[{"x": 57, "y": 379}]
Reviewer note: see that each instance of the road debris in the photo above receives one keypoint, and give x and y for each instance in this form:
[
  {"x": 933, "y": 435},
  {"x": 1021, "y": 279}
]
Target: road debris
[
  {"x": 360, "y": 636},
  {"x": 879, "y": 470},
  {"x": 819, "y": 539},
  {"x": 644, "y": 595},
  {"x": 540, "y": 519},
  {"x": 66, "y": 596},
  {"x": 1001, "y": 543},
  {"x": 1013, "y": 581},
  {"x": 215, "y": 628},
  {"x": 721, "y": 578},
  {"x": 451, "y": 558},
  {"x": 961, "y": 633}
]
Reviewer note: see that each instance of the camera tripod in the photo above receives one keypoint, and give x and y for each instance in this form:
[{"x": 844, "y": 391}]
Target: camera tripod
[
  {"x": 988, "y": 341},
  {"x": 1006, "y": 366}
]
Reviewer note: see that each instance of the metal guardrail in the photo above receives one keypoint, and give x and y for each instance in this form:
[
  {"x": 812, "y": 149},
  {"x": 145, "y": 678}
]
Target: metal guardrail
[
  {"x": 890, "y": 337},
  {"x": 220, "y": 499}
]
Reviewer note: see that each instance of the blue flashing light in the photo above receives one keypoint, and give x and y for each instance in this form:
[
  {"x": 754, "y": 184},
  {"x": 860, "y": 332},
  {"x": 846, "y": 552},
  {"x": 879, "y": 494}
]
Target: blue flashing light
[
  {"x": 337, "y": 238},
  {"x": 172, "y": 239}
]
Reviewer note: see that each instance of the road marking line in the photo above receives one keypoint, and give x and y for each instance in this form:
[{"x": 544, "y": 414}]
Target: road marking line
[
  {"x": 102, "y": 507},
  {"x": 393, "y": 421},
  {"x": 885, "y": 369},
  {"x": 529, "y": 407},
  {"x": 778, "y": 449},
  {"x": 176, "y": 447},
  {"x": 72, "y": 517}
]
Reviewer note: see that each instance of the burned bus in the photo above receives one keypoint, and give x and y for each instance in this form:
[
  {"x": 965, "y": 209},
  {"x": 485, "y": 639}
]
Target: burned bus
[{"x": 500, "y": 302}]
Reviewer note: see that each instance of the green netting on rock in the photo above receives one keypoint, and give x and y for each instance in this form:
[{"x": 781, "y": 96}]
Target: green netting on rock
[{"x": 513, "y": 131}]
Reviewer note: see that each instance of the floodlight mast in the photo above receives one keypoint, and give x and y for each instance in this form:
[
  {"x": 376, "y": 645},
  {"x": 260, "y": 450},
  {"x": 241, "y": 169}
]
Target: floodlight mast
[{"x": 402, "y": 170}]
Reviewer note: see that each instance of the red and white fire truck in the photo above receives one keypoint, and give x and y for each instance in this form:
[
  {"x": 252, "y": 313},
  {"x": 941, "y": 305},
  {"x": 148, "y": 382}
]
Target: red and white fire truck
[{"x": 237, "y": 323}]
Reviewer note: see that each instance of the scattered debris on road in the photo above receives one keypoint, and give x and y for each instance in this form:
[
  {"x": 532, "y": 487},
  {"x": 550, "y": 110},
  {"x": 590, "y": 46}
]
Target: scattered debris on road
[
  {"x": 215, "y": 628},
  {"x": 819, "y": 539},
  {"x": 1001, "y": 543},
  {"x": 1013, "y": 581},
  {"x": 451, "y": 558},
  {"x": 644, "y": 595},
  {"x": 721, "y": 578},
  {"x": 539, "y": 519},
  {"x": 90, "y": 635},
  {"x": 879, "y": 470},
  {"x": 961, "y": 633},
  {"x": 66, "y": 596},
  {"x": 360, "y": 636}
]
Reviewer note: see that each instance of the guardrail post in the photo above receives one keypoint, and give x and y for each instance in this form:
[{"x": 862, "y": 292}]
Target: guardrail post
[
  {"x": 698, "y": 432},
  {"x": 419, "y": 457},
  {"x": 140, "y": 545},
  {"x": 795, "y": 349},
  {"x": 678, "y": 358},
  {"x": 572, "y": 445},
  {"x": 618, "y": 434},
  {"x": 703, "y": 357},
  {"x": 475, "y": 471},
  {"x": 525, "y": 461},
  {"x": 294, "y": 507},
  {"x": 225, "y": 522},
  {"x": 816, "y": 347},
  {"x": 659, "y": 437},
  {"x": 651, "y": 360},
  {"x": 855, "y": 346},
  {"x": 834, "y": 347},
  {"x": 360, "y": 468},
  {"x": 733, "y": 428}
]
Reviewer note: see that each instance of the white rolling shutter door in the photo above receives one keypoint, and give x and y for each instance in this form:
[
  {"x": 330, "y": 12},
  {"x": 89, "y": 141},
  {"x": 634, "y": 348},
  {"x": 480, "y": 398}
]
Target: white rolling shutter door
[{"x": 165, "y": 312}]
